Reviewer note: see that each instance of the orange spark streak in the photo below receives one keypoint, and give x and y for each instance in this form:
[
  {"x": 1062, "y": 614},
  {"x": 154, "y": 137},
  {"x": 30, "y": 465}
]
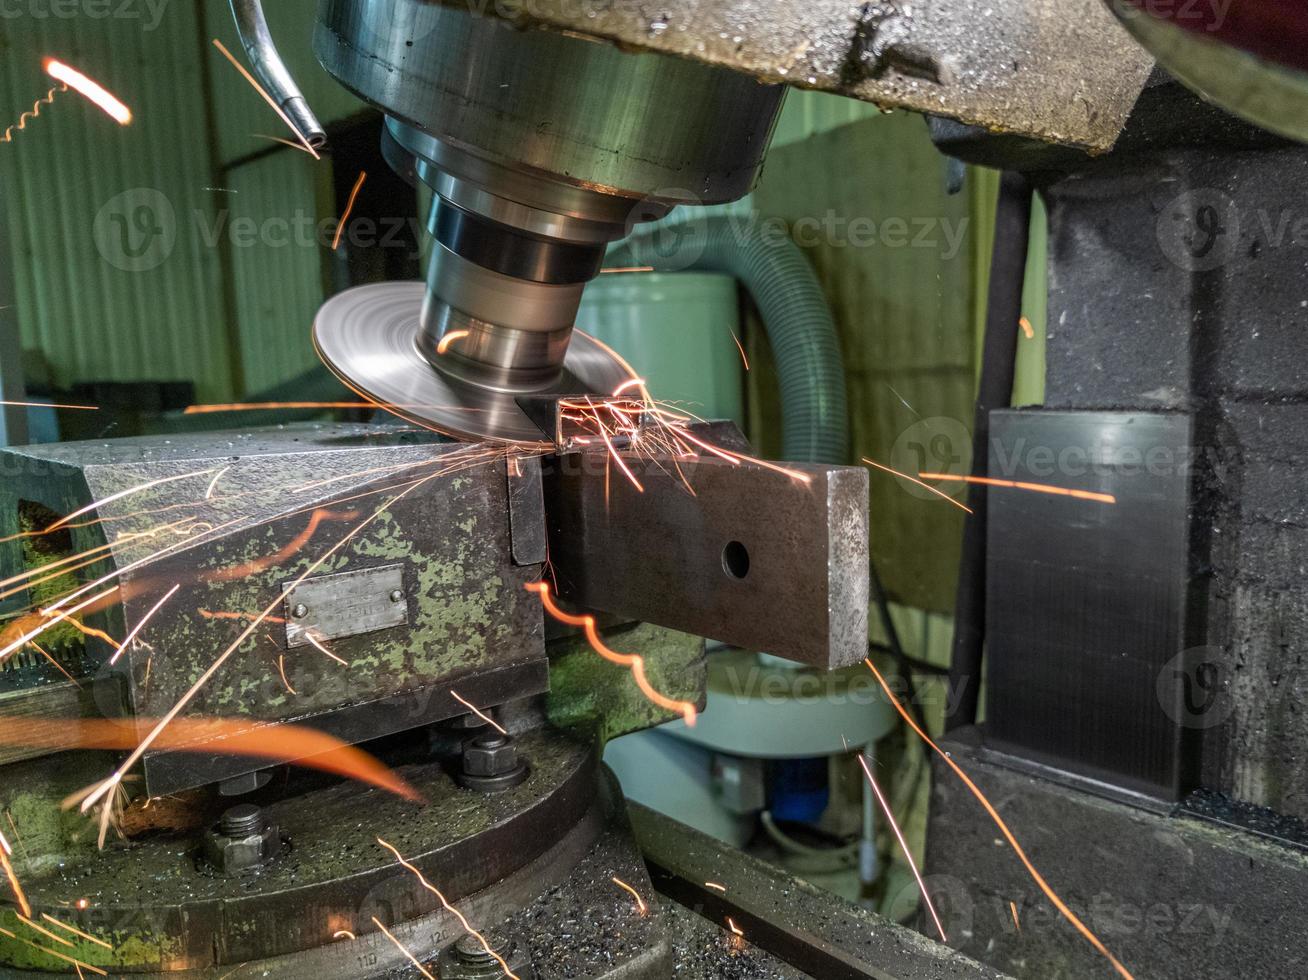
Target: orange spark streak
[
  {"x": 136, "y": 630},
  {"x": 633, "y": 661},
  {"x": 35, "y": 927},
  {"x": 271, "y": 406},
  {"x": 281, "y": 669},
  {"x": 400, "y": 946},
  {"x": 628, "y": 384},
  {"x": 72, "y": 408},
  {"x": 478, "y": 712},
  {"x": 349, "y": 206},
  {"x": 33, "y": 634},
  {"x": 452, "y": 910},
  {"x": 735, "y": 931},
  {"x": 450, "y": 338},
  {"x": 55, "y": 663},
  {"x": 619, "y": 460},
  {"x": 903, "y": 846},
  {"x": 92, "y": 90},
  {"x": 740, "y": 347},
  {"x": 108, "y": 785},
  {"x": 124, "y": 493},
  {"x": 633, "y": 268},
  {"x": 290, "y": 550},
  {"x": 1027, "y": 330},
  {"x": 796, "y": 475},
  {"x": 266, "y": 97},
  {"x": 285, "y": 142},
  {"x": 14, "y": 886},
  {"x": 641, "y": 907},
  {"x": 18, "y": 127},
  {"x": 716, "y": 887},
  {"x": 55, "y": 953},
  {"x": 925, "y": 486},
  {"x": 1067, "y": 913},
  {"x": 1103, "y": 498},
  {"x": 76, "y": 932},
  {"x": 213, "y": 484},
  {"x": 343, "y": 934},
  {"x": 314, "y": 642},
  {"x": 310, "y": 748},
  {"x": 85, "y": 630},
  {"x": 1012, "y": 907},
  {"x": 213, "y": 614}
]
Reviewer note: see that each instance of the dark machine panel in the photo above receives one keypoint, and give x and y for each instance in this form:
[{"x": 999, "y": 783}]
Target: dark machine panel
[{"x": 1086, "y": 601}]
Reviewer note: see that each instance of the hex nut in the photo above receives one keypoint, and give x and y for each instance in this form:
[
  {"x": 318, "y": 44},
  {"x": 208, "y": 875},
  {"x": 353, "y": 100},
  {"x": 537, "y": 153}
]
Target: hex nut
[{"x": 244, "y": 853}]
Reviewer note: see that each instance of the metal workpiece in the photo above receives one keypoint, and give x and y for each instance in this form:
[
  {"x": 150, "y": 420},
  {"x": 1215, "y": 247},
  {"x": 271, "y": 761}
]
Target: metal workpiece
[
  {"x": 735, "y": 552},
  {"x": 1057, "y": 70},
  {"x": 815, "y": 932},
  {"x": 424, "y": 600}
]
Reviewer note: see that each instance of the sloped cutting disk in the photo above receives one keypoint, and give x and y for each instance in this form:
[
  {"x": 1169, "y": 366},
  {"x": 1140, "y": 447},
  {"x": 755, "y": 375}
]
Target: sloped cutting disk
[{"x": 368, "y": 337}]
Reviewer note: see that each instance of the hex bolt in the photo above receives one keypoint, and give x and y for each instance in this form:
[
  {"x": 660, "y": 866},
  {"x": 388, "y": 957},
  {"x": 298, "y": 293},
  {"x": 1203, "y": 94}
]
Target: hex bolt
[
  {"x": 467, "y": 959},
  {"x": 242, "y": 820},
  {"x": 491, "y": 763}
]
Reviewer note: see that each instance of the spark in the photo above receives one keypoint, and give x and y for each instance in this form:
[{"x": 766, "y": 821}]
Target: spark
[
  {"x": 271, "y": 406},
  {"x": 213, "y": 484},
  {"x": 343, "y": 934},
  {"x": 478, "y": 712},
  {"x": 51, "y": 622},
  {"x": 92, "y": 90},
  {"x": 628, "y": 385},
  {"x": 903, "y": 846},
  {"x": 281, "y": 669},
  {"x": 57, "y": 665},
  {"x": 217, "y": 665},
  {"x": 735, "y": 931},
  {"x": 1027, "y": 330},
  {"x": 285, "y": 142},
  {"x": 1058, "y": 903},
  {"x": 291, "y": 549},
  {"x": 641, "y": 907},
  {"x": 1012, "y": 907},
  {"x": 925, "y": 486},
  {"x": 716, "y": 887},
  {"x": 400, "y": 946},
  {"x": 449, "y": 339},
  {"x": 622, "y": 465},
  {"x": 314, "y": 642},
  {"x": 76, "y": 932},
  {"x": 8, "y": 137},
  {"x": 14, "y": 885},
  {"x": 1103, "y": 498},
  {"x": 4, "y": 843},
  {"x": 633, "y": 661},
  {"x": 140, "y": 488},
  {"x": 632, "y": 268},
  {"x": 45, "y": 932},
  {"x": 71, "y": 408},
  {"x": 55, "y": 953},
  {"x": 266, "y": 97},
  {"x": 740, "y": 347},
  {"x": 349, "y": 206},
  {"x": 136, "y": 630},
  {"x": 452, "y": 910}
]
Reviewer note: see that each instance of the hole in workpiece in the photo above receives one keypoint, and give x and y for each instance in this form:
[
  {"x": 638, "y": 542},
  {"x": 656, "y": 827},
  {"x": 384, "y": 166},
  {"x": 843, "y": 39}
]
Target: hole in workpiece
[{"x": 735, "y": 559}]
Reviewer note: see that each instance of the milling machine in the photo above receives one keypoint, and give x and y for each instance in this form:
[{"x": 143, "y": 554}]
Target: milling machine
[{"x": 370, "y": 582}]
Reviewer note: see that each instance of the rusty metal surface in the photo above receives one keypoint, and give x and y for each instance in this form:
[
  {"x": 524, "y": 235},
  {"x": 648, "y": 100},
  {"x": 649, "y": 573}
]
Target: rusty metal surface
[
  {"x": 751, "y": 557},
  {"x": 279, "y": 502},
  {"x": 1058, "y": 70}
]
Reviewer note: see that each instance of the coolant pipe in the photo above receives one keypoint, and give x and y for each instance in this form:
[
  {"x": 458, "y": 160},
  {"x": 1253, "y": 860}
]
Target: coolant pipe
[
  {"x": 796, "y": 316},
  {"x": 272, "y": 72}
]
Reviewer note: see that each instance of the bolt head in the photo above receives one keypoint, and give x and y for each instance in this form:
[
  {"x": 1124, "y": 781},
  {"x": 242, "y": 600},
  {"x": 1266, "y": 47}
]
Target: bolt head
[
  {"x": 397, "y": 596},
  {"x": 490, "y": 755},
  {"x": 300, "y": 611}
]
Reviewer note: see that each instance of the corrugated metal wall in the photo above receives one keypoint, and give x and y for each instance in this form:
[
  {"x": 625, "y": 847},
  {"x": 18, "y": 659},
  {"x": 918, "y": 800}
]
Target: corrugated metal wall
[{"x": 112, "y": 279}]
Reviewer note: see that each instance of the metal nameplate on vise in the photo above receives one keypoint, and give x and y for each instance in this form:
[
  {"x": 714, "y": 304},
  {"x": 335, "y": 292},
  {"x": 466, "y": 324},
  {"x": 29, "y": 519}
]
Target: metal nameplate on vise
[{"x": 346, "y": 604}]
